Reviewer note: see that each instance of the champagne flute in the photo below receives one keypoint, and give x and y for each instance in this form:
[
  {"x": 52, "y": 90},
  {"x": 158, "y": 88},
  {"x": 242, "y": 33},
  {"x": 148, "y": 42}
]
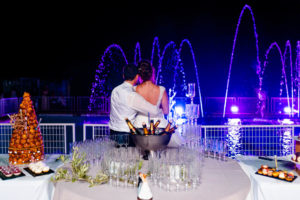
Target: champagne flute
[
  {"x": 195, "y": 113},
  {"x": 127, "y": 140},
  {"x": 191, "y": 91}
]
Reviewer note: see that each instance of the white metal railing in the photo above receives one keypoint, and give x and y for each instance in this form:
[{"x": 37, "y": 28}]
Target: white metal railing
[
  {"x": 213, "y": 106},
  {"x": 55, "y": 136},
  {"x": 96, "y": 131},
  {"x": 255, "y": 140}
]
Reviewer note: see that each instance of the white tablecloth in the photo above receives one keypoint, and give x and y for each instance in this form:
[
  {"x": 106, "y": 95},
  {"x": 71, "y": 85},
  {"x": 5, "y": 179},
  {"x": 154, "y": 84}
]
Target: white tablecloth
[
  {"x": 219, "y": 180},
  {"x": 264, "y": 188},
  {"x": 28, "y": 187}
]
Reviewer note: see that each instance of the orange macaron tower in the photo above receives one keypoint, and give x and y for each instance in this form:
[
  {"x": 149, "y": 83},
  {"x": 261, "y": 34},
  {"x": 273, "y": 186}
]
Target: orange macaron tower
[{"x": 26, "y": 144}]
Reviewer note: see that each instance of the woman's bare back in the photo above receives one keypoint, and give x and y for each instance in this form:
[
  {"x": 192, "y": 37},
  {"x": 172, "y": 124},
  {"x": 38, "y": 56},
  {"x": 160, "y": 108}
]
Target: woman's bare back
[{"x": 149, "y": 91}]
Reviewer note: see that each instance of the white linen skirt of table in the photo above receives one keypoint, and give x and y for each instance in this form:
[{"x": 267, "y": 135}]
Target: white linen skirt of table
[
  {"x": 28, "y": 187},
  {"x": 219, "y": 180},
  {"x": 264, "y": 188}
]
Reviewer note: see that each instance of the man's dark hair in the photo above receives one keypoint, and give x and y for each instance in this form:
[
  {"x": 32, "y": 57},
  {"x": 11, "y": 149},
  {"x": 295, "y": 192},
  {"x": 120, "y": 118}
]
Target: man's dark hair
[{"x": 130, "y": 71}]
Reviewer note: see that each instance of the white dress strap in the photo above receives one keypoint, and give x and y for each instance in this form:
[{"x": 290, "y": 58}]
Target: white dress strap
[{"x": 161, "y": 92}]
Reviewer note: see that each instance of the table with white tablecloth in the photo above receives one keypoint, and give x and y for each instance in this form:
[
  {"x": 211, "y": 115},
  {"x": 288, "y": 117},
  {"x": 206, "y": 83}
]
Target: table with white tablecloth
[
  {"x": 29, "y": 187},
  {"x": 265, "y": 188},
  {"x": 219, "y": 180}
]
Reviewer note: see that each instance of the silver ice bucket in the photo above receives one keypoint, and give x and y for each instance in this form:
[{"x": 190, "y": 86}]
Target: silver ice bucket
[{"x": 151, "y": 142}]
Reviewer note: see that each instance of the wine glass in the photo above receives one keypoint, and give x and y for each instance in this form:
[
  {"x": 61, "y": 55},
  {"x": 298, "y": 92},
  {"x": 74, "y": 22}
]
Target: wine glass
[
  {"x": 126, "y": 140},
  {"x": 215, "y": 148},
  {"x": 195, "y": 113},
  {"x": 225, "y": 150},
  {"x": 191, "y": 91}
]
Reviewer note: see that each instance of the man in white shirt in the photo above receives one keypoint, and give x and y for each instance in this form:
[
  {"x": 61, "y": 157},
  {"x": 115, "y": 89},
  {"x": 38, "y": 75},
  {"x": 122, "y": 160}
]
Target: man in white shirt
[{"x": 126, "y": 103}]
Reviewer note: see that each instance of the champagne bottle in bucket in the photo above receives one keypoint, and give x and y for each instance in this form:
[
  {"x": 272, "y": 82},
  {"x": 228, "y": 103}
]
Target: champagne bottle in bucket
[
  {"x": 146, "y": 132},
  {"x": 172, "y": 130},
  {"x": 131, "y": 127},
  {"x": 167, "y": 129},
  {"x": 156, "y": 124},
  {"x": 152, "y": 127}
]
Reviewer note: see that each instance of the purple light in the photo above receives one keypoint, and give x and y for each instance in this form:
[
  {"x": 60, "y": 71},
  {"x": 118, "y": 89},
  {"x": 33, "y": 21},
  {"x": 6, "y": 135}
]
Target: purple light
[{"x": 234, "y": 109}]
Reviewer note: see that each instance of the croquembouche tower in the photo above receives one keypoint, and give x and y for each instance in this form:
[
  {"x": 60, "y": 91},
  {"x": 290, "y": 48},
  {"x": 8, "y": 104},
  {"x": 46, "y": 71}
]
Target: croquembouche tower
[{"x": 26, "y": 144}]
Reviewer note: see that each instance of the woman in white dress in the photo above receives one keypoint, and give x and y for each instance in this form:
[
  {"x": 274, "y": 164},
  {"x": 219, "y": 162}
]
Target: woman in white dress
[{"x": 153, "y": 93}]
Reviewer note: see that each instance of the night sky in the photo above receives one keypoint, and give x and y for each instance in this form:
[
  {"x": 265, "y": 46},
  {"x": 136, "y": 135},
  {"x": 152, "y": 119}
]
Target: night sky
[{"x": 56, "y": 42}]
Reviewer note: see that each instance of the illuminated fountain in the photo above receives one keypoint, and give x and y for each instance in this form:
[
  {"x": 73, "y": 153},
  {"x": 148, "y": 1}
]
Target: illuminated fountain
[
  {"x": 170, "y": 70},
  {"x": 294, "y": 76},
  {"x": 283, "y": 76},
  {"x": 260, "y": 69},
  {"x": 246, "y": 7},
  {"x": 111, "y": 61},
  {"x": 137, "y": 53},
  {"x": 168, "y": 64}
]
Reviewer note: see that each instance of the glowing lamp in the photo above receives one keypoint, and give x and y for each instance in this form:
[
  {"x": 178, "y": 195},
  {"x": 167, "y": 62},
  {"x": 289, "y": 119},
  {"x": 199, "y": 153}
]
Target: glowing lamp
[
  {"x": 234, "y": 109},
  {"x": 287, "y": 110}
]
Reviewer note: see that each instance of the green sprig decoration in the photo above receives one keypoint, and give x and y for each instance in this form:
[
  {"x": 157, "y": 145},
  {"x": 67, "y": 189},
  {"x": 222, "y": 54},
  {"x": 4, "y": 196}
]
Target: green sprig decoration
[
  {"x": 78, "y": 171},
  {"x": 79, "y": 166},
  {"x": 63, "y": 158}
]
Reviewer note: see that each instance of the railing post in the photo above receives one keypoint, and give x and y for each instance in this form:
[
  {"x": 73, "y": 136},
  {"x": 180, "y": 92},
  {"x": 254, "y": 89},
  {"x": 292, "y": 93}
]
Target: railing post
[
  {"x": 93, "y": 132},
  {"x": 73, "y": 132},
  {"x": 84, "y": 132},
  {"x": 65, "y": 138}
]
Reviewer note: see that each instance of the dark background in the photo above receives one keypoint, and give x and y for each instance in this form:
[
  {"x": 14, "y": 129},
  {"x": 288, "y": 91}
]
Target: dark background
[{"x": 57, "y": 42}]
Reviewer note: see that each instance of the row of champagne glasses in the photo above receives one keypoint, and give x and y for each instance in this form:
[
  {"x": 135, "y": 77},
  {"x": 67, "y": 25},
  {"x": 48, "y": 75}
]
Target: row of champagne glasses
[
  {"x": 94, "y": 149},
  {"x": 175, "y": 169},
  {"x": 171, "y": 169},
  {"x": 214, "y": 147},
  {"x": 104, "y": 154},
  {"x": 122, "y": 166}
]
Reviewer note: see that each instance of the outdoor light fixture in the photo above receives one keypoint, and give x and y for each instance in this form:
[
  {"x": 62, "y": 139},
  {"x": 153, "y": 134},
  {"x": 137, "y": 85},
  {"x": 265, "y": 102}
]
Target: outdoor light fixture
[
  {"x": 234, "y": 109},
  {"x": 287, "y": 110}
]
